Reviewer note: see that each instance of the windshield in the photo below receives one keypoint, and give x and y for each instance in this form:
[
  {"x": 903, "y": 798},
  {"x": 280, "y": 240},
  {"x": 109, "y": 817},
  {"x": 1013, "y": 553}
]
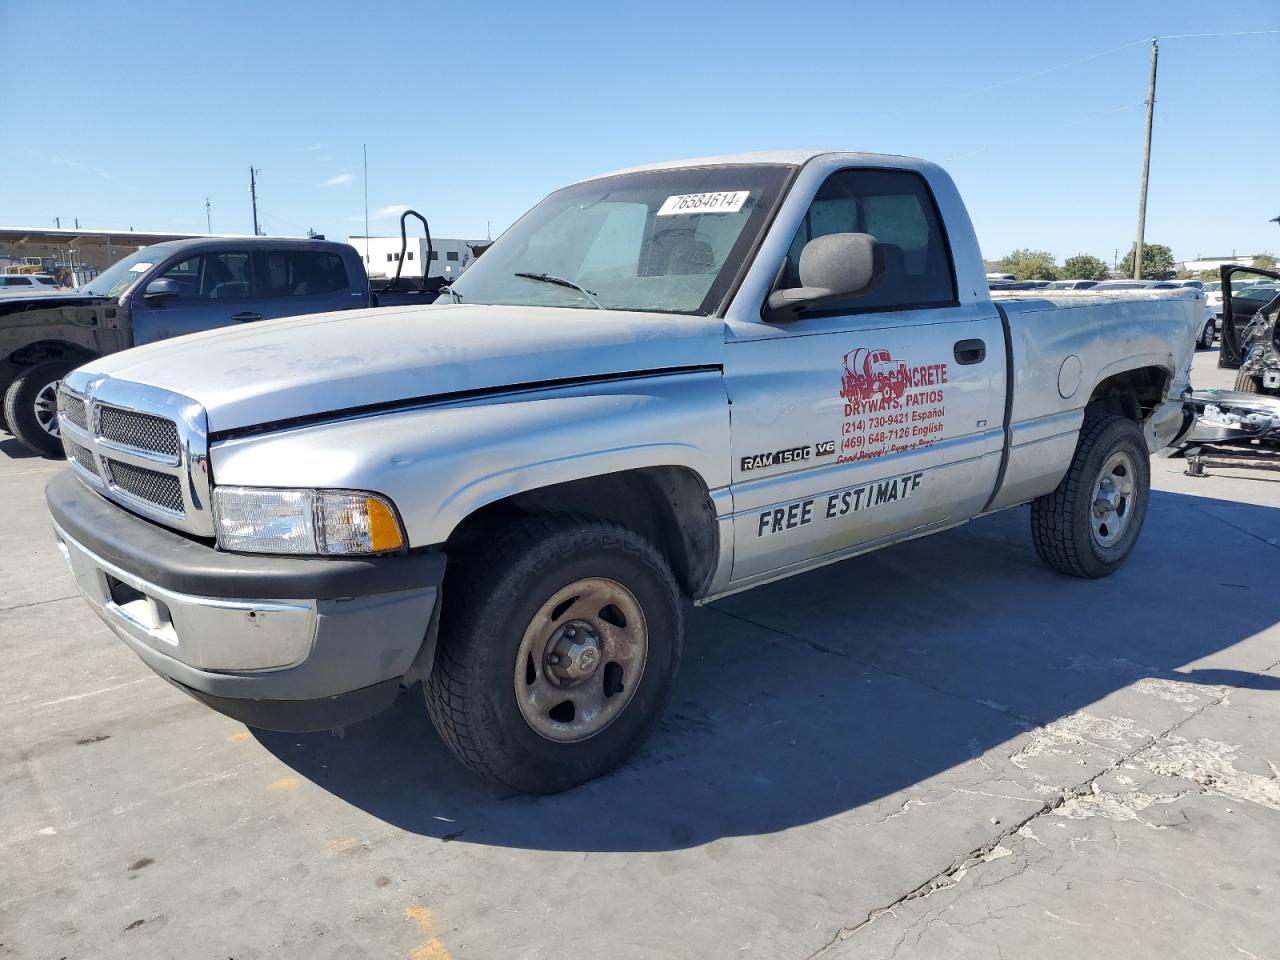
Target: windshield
[
  {"x": 116, "y": 280},
  {"x": 670, "y": 241}
]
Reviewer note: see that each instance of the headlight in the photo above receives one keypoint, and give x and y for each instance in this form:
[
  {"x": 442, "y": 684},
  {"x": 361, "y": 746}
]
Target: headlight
[{"x": 307, "y": 522}]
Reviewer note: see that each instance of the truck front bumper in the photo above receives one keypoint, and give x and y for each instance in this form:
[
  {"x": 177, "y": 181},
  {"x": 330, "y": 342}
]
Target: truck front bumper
[{"x": 281, "y": 643}]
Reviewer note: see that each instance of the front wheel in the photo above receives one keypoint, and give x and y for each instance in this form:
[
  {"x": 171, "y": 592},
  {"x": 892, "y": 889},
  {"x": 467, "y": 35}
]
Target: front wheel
[
  {"x": 31, "y": 406},
  {"x": 1207, "y": 335},
  {"x": 559, "y": 646},
  {"x": 1087, "y": 526}
]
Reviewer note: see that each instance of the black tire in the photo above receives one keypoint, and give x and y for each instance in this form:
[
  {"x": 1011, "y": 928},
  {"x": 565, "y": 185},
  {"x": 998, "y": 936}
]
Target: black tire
[
  {"x": 492, "y": 596},
  {"x": 1061, "y": 522},
  {"x": 1247, "y": 383},
  {"x": 1207, "y": 335},
  {"x": 20, "y": 411}
]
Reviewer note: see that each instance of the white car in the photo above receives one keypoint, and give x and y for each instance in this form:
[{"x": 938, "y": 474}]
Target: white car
[
  {"x": 28, "y": 284},
  {"x": 1213, "y": 297}
]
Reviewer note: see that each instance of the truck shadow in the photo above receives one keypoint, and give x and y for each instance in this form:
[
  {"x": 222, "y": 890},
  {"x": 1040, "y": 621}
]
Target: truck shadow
[{"x": 832, "y": 690}]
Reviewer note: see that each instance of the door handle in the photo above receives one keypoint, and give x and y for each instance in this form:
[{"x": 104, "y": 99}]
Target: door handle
[
  {"x": 970, "y": 351},
  {"x": 245, "y": 317}
]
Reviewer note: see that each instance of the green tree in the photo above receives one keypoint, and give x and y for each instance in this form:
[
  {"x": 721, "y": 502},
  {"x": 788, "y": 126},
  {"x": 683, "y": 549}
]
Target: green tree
[
  {"x": 1265, "y": 262},
  {"x": 1083, "y": 266},
  {"x": 1030, "y": 265},
  {"x": 1157, "y": 262}
]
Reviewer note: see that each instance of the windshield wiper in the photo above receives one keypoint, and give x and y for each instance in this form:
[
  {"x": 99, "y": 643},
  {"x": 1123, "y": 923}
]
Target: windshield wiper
[
  {"x": 562, "y": 282},
  {"x": 457, "y": 297}
]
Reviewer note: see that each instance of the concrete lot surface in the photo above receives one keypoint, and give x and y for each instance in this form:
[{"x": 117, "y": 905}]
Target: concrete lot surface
[{"x": 939, "y": 750}]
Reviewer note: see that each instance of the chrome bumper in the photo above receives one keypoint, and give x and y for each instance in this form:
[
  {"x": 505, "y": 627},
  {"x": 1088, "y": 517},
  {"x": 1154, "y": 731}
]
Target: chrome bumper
[{"x": 202, "y": 632}]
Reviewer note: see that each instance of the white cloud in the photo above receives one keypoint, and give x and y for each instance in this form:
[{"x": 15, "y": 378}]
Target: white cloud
[
  {"x": 73, "y": 164},
  {"x": 391, "y": 210},
  {"x": 341, "y": 180},
  {"x": 312, "y": 149}
]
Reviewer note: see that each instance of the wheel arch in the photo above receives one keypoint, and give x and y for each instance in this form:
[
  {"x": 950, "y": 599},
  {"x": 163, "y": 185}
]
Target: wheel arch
[
  {"x": 1133, "y": 393},
  {"x": 670, "y": 505},
  {"x": 52, "y": 348}
]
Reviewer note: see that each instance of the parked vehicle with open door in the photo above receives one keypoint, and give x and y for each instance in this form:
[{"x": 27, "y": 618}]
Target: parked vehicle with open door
[{"x": 1251, "y": 328}]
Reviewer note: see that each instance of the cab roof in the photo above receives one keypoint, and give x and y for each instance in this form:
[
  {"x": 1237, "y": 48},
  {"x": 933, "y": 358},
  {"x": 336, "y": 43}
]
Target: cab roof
[{"x": 794, "y": 158}]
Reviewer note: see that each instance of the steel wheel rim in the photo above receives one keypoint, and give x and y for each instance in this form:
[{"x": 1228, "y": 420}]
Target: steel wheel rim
[
  {"x": 556, "y": 666},
  {"x": 1113, "y": 499},
  {"x": 46, "y": 408}
]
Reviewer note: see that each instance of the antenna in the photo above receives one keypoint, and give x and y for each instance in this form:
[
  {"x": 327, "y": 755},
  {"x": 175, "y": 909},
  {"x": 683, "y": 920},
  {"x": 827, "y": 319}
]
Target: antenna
[
  {"x": 208, "y": 218},
  {"x": 365, "y": 148}
]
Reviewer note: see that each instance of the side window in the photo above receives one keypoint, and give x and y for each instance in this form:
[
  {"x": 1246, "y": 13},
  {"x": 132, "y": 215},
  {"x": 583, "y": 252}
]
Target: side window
[
  {"x": 300, "y": 273},
  {"x": 451, "y": 255},
  {"x": 896, "y": 208},
  {"x": 212, "y": 276}
]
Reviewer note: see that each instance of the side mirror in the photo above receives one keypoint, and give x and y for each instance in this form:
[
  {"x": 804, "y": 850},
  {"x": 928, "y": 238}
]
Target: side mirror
[
  {"x": 834, "y": 266},
  {"x": 159, "y": 289}
]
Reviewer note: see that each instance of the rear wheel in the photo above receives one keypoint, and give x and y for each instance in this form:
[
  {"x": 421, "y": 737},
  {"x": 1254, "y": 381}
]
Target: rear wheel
[
  {"x": 1247, "y": 382},
  {"x": 1087, "y": 527},
  {"x": 31, "y": 406},
  {"x": 559, "y": 646}
]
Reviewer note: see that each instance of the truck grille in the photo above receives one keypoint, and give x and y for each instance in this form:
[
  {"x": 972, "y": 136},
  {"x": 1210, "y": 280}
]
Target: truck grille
[
  {"x": 142, "y": 431},
  {"x": 163, "y": 490},
  {"x": 81, "y": 455},
  {"x": 72, "y": 407},
  {"x": 144, "y": 447}
]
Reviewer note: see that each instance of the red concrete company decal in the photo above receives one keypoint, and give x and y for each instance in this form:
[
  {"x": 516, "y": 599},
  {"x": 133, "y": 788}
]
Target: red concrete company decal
[{"x": 890, "y": 406}]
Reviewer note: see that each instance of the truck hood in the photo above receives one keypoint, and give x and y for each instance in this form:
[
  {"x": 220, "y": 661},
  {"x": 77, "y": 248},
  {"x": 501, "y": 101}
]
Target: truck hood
[
  {"x": 323, "y": 364},
  {"x": 12, "y": 304}
]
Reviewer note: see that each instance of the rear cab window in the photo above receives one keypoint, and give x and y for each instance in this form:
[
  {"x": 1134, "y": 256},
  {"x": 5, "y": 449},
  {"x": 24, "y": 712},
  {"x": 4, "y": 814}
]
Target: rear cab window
[{"x": 303, "y": 273}]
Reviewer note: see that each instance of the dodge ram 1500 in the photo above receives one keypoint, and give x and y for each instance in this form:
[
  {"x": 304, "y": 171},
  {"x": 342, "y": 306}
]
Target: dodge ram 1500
[{"x": 676, "y": 381}]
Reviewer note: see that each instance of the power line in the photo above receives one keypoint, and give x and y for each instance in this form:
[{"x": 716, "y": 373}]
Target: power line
[
  {"x": 1093, "y": 56},
  {"x": 1233, "y": 33},
  {"x": 1038, "y": 73}
]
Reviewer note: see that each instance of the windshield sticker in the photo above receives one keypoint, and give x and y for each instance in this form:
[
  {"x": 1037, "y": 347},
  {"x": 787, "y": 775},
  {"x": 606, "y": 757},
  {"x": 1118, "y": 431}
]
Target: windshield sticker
[
  {"x": 685, "y": 204},
  {"x": 832, "y": 506},
  {"x": 141, "y": 267}
]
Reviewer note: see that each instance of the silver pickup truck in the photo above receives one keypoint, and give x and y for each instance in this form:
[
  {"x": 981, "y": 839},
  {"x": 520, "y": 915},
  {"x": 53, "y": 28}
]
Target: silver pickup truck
[{"x": 677, "y": 381}]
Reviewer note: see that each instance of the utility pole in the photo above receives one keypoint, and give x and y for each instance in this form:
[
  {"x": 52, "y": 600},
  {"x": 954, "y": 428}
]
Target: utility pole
[
  {"x": 1146, "y": 163},
  {"x": 253, "y": 194},
  {"x": 208, "y": 217},
  {"x": 57, "y": 222}
]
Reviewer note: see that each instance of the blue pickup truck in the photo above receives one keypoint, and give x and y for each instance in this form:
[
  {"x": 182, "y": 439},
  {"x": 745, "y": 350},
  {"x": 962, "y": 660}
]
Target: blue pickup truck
[{"x": 162, "y": 291}]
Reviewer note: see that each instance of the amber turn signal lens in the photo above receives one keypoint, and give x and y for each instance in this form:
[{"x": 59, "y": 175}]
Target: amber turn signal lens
[{"x": 384, "y": 530}]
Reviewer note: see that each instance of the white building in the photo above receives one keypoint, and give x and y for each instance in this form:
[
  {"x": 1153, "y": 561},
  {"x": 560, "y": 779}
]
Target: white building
[
  {"x": 381, "y": 255},
  {"x": 1200, "y": 264}
]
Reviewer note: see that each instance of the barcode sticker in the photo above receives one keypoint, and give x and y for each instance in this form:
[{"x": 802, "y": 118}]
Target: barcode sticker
[{"x": 729, "y": 201}]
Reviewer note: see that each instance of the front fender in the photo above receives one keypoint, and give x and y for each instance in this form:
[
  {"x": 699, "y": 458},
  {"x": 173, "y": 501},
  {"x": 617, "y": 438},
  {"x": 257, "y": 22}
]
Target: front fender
[{"x": 440, "y": 463}]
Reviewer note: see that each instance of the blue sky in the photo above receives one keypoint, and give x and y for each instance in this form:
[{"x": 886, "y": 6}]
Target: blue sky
[{"x": 474, "y": 111}]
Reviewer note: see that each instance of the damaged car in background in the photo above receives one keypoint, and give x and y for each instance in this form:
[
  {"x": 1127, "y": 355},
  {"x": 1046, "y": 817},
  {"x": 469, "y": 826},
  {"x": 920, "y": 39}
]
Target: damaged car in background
[{"x": 1242, "y": 426}]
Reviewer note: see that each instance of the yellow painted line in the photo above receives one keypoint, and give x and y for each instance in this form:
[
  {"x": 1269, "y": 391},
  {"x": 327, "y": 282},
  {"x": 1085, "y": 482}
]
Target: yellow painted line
[
  {"x": 431, "y": 948},
  {"x": 284, "y": 783},
  {"x": 240, "y": 737}
]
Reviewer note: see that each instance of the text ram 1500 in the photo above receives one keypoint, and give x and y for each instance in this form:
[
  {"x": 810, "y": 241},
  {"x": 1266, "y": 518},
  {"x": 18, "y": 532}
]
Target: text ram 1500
[{"x": 683, "y": 379}]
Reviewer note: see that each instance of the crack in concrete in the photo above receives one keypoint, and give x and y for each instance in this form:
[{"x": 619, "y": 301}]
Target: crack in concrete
[
  {"x": 952, "y": 875},
  {"x": 38, "y": 603}
]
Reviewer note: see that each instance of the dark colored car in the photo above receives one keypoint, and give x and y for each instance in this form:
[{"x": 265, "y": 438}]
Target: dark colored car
[
  {"x": 1251, "y": 328},
  {"x": 162, "y": 291}
]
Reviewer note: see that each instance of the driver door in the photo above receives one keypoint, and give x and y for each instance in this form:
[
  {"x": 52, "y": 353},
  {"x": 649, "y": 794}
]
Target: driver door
[
  {"x": 872, "y": 417},
  {"x": 215, "y": 289}
]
